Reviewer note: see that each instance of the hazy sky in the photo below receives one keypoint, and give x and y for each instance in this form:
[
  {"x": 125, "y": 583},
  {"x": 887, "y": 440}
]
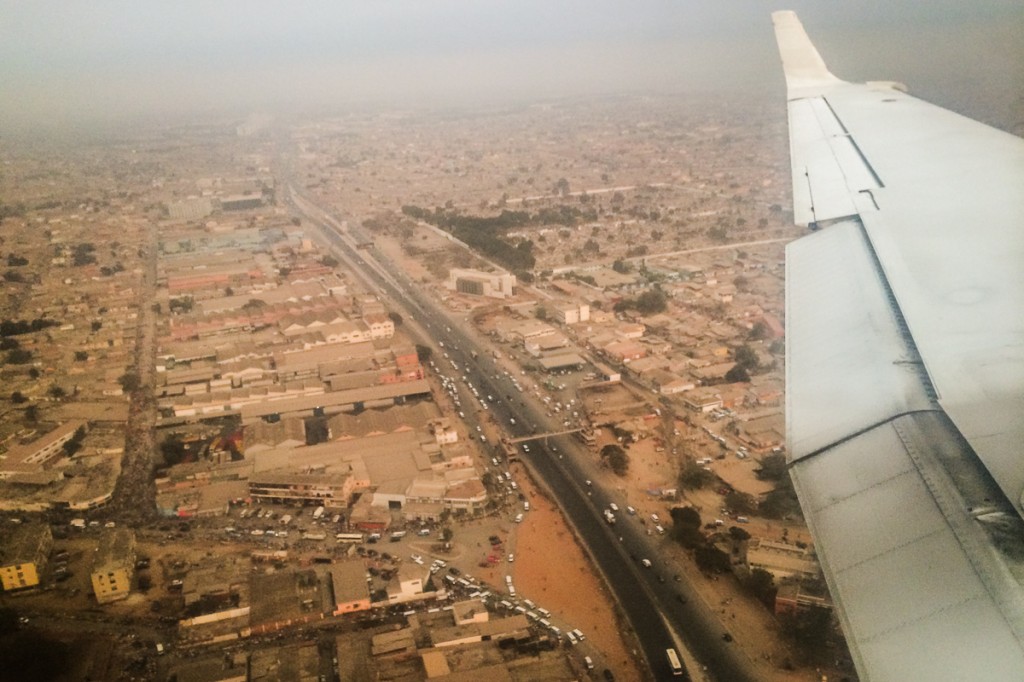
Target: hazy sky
[{"x": 79, "y": 61}]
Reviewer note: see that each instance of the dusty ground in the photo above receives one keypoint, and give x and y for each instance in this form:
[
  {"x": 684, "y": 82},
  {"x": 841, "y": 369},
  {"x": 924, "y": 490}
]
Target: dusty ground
[{"x": 552, "y": 570}]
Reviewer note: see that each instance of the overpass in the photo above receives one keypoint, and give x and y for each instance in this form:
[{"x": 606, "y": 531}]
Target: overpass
[{"x": 539, "y": 436}]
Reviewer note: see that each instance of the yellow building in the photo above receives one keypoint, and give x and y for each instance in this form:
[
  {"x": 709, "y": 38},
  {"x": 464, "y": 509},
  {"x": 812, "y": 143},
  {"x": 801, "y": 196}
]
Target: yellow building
[
  {"x": 114, "y": 566},
  {"x": 23, "y": 557}
]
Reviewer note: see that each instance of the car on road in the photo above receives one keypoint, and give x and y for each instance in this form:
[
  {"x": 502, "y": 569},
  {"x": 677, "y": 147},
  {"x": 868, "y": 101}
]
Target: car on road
[
  {"x": 511, "y": 558},
  {"x": 646, "y": 563},
  {"x": 630, "y": 510},
  {"x": 614, "y": 507}
]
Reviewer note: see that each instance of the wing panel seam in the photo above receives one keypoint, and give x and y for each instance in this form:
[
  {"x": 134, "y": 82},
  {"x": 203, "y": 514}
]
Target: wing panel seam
[
  {"x": 860, "y": 432},
  {"x": 853, "y": 142}
]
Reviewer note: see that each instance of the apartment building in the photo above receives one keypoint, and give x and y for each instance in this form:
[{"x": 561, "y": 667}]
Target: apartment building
[
  {"x": 114, "y": 566},
  {"x": 23, "y": 557}
]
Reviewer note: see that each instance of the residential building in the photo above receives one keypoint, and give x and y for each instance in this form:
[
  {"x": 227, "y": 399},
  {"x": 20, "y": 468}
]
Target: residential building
[
  {"x": 478, "y": 283},
  {"x": 23, "y": 459},
  {"x": 23, "y": 556},
  {"x": 351, "y": 593},
  {"x": 114, "y": 565},
  {"x": 330, "y": 490},
  {"x": 571, "y": 313}
]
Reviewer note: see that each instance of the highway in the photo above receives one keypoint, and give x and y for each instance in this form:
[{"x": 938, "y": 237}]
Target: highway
[{"x": 656, "y": 605}]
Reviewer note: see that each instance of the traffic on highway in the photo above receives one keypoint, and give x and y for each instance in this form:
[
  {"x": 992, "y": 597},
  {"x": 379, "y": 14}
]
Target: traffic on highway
[{"x": 659, "y": 605}]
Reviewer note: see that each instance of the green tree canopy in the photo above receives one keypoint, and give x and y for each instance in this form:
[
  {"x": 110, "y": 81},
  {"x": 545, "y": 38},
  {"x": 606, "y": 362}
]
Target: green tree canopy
[
  {"x": 129, "y": 382},
  {"x": 616, "y": 458}
]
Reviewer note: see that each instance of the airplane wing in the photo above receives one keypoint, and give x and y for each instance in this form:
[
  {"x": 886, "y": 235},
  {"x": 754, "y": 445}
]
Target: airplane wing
[{"x": 905, "y": 371}]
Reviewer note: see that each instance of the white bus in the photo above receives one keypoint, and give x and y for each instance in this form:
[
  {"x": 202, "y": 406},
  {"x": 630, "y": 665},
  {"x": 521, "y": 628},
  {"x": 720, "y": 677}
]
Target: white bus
[
  {"x": 673, "y": 662},
  {"x": 349, "y": 537}
]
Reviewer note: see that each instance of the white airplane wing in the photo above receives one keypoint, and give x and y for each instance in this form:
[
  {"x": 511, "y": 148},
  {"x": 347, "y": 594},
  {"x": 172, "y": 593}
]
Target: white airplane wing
[{"x": 905, "y": 371}]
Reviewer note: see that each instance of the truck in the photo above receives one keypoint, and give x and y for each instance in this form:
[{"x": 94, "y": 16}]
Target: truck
[{"x": 319, "y": 512}]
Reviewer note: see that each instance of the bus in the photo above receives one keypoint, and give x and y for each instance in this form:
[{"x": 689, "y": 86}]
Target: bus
[
  {"x": 673, "y": 662},
  {"x": 349, "y": 537}
]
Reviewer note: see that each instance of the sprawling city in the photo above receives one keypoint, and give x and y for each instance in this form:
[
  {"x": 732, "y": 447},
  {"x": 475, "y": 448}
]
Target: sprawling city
[
  {"x": 381, "y": 395},
  {"x": 470, "y": 392}
]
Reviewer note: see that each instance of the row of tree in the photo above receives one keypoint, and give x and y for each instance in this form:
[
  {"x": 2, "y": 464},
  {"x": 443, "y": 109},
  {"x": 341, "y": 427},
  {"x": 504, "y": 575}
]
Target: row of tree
[
  {"x": 650, "y": 302},
  {"x": 18, "y": 327}
]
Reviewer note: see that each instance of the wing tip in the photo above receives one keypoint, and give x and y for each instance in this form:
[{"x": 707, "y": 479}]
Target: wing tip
[{"x": 801, "y": 62}]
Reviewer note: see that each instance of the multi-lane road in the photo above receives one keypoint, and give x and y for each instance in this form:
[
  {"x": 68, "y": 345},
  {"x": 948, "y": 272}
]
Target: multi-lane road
[{"x": 662, "y": 609}]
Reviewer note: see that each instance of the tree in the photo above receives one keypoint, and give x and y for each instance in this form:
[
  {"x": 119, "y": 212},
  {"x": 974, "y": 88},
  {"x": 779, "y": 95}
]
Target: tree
[
  {"x": 34, "y": 373},
  {"x": 56, "y": 392},
  {"x": 686, "y": 526},
  {"x": 761, "y": 584},
  {"x": 329, "y": 261},
  {"x": 32, "y": 414},
  {"x": 719, "y": 234},
  {"x": 181, "y": 305},
  {"x": 424, "y": 353},
  {"x": 622, "y": 266},
  {"x": 651, "y": 301},
  {"x": 773, "y": 467},
  {"x": 711, "y": 559},
  {"x": 780, "y": 502},
  {"x": 96, "y": 325},
  {"x": 19, "y": 356},
  {"x": 740, "y": 503},
  {"x": 759, "y": 331},
  {"x": 81, "y": 356},
  {"x": 75, "y": 443},
  {"x": 130, "y": 382},
  {"x": 447, "y": 534},
  {"x": 83, "y": 255},
  {"x": 17, "y": 397},
  {"x": 745, "y": 356},
  {"x": 737, "y": 375},
  {"x": 615, "y": 458},
  {"x": 694, "y": 476},
  {"x": 395, "y": 318},
  {"x": 809, "y": 629}
]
